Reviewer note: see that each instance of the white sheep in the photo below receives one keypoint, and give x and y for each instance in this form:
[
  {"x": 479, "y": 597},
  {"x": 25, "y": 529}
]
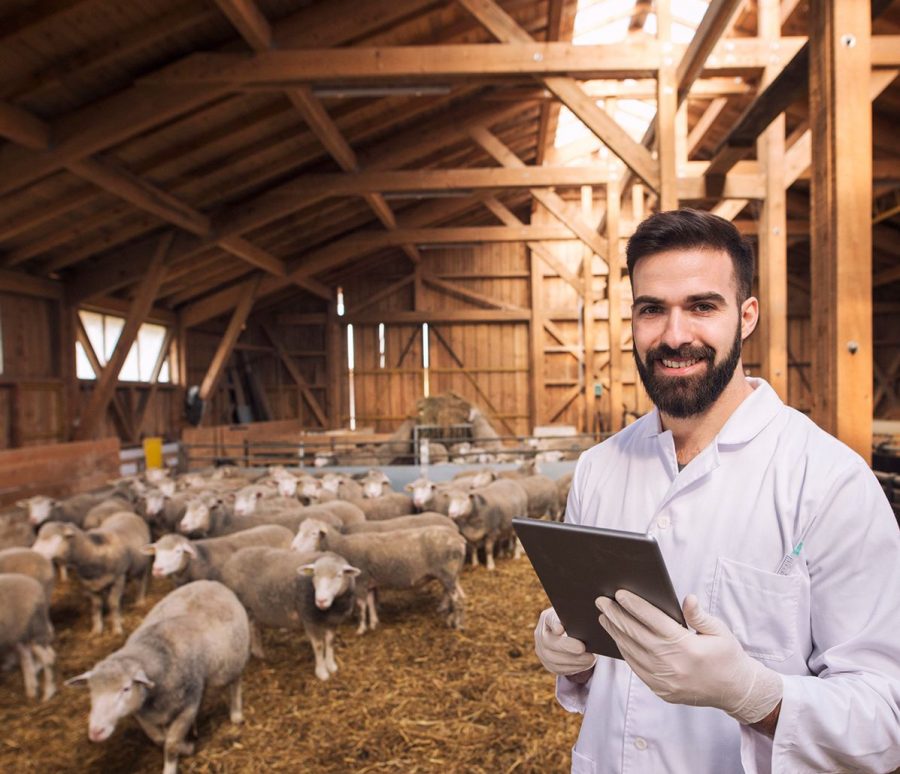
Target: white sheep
[{"x": 25, "y": 627}]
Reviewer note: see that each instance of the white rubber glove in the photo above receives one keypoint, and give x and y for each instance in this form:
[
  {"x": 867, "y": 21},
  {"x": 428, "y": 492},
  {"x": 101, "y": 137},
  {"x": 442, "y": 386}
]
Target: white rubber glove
[
  {"x": 706, "y": 668},
  {"x": 559, "y": 653}
]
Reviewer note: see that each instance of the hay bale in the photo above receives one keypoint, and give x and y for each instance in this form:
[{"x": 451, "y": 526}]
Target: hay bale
[{"x": 443, "y": 410}]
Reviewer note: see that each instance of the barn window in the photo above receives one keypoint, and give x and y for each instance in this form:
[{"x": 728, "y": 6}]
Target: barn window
[
  {"x": 381, "y": 345},
  {"x": 340, "y": 302},
  {"x": 103, "y": 331}
]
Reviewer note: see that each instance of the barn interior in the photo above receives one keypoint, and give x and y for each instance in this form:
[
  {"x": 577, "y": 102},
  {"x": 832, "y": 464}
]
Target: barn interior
[{"x": 264, "y": 232}]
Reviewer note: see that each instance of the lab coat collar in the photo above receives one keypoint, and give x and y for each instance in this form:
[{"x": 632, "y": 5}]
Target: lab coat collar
[{"x": 748, "y": 420}]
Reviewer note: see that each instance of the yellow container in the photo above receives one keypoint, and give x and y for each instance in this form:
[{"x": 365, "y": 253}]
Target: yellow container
[{"x": 153, "y": 452}]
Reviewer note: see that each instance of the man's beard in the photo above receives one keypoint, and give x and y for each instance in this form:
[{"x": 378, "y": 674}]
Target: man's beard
[{"x": 687, "y": 396}]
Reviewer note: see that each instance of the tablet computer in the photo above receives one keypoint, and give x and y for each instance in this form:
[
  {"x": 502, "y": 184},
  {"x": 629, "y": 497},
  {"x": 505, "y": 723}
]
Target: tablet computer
[{"x": 577, "y": 564}]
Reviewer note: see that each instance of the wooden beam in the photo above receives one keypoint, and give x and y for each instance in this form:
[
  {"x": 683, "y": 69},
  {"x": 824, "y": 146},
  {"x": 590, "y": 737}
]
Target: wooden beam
[
  {"x": 469, "y": 295},
  {"x": 553, "y": 329},
  {"x": 296, "y": 375},
  {"x": 712, "y": 27},
  {"x": 588, "y": 323},
  {"x": 246, "y": 297},
  {"x": 571, "y": 394},
  {"x": 248, "y": 21},
  {"x": 21, "y": 127},
  {"x": 503, "y": 27},
  {"x": 472, "y": 380},
  {"x": 666, "y": 110},
  {"x": 537, "y": 248},
  {"x": 614, "y": 297},
  {"x": 117, "y": 404},
  {"x": 27, "y": 285},
  {"x": 140, "y": 307},
  {"x": 373, "y": 240},
  {"x": 841, "y": 194},
  {"x": 437, "y": 316},
  {"x": 378, "y": 296},
  {"x": 773, "y": 286},
  {"x": 552, "y": 201}
]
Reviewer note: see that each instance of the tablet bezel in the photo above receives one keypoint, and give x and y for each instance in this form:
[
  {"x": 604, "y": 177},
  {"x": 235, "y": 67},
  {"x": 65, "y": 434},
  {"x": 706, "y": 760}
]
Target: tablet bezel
[{"x": 576, "y": 564}]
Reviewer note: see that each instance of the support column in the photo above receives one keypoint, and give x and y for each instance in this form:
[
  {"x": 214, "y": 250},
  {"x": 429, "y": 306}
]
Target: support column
[
  {"x": 614, "y": 294},
  {"x": 841, "y": 197},
  {"x": 666, "y": 109},
  {"x": 588, "y": 322},
  {"x": 773, "y": 287}
]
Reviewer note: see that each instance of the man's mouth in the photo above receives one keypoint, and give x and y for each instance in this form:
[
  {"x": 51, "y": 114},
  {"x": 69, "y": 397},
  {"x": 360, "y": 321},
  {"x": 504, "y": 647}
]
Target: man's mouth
[{"x": 669, "y": 365}]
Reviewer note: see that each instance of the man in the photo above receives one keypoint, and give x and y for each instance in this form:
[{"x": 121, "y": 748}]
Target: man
[{"x": 779, "y": 535}]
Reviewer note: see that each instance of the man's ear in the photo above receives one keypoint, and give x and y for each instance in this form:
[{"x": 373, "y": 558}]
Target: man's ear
[{"x": 749, "y": 316}]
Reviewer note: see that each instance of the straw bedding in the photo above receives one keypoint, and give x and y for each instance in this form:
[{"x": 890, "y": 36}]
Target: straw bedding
[{"x": 414, "y": 696}]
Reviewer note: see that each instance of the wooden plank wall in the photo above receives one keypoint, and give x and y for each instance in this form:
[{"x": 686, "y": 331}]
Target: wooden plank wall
[
  {"x": 57, "y": 470},
  {"x": 31, "y": 390}
]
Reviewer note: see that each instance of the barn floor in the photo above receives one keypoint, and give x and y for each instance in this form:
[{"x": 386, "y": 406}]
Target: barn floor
[{"x": 412, "y": 697}]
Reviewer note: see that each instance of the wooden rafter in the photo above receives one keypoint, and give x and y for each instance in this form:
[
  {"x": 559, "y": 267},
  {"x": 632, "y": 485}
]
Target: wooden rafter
[
  {"x": 296, "y": 374},
  {"x": 118, "y": 406},
  {"x": 469, "y": 295},
  {"x": 137, "y": 314}
]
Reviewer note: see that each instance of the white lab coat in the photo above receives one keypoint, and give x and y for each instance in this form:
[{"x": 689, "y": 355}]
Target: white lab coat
[{"x": 770, "y": 480}]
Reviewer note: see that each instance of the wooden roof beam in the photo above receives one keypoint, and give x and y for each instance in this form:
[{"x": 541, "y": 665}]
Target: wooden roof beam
[
  {"x": 502, "y": 26},
  {"x": 127, "y": 113},
  {"x": 712, "y": 27}
]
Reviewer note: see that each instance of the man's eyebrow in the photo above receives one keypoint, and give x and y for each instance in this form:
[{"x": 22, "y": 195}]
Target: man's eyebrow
[{"x": 692, "y": 299}]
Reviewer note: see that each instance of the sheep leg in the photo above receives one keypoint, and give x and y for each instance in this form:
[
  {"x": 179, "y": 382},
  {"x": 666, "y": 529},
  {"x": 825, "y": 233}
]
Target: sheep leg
[
  {"x": 489, "y": 552},
  {"x": 175, "y": 734},
  {"x": 46, "y": 656},
  {"x": 256, "y": 646},
  {"x": 154, "y": 731},
  {"x": 28, "y": 673},
  {"x": 63, "y": 572},
  {"x": 330, "y": 663},
  {"x": 114, "y": 597},
  {"x": 235, "y": 701},
  {"x": 143, "y": 582},
  {"x": 474, "y": 556},
  {"x": 361, "y": 607},
  {"x": 96, "y": 612},
  {"x": 373, "y": 614},
  {"x": 517, "y": 549},
  {"x": 318, "y": 646}
]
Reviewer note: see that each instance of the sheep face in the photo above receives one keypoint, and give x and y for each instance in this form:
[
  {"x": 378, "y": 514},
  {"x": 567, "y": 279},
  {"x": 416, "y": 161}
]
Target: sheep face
[
  {"x": 373, "y": 488},
  {"x": 171, "y": 554},
  {"x": 154, "y": 502},
  {"x": 459, "y": 506},
  {"x": 38, "y": 508},
  {"x": 308, "y": 536},
  {"x": 309, "y": 487},
  {"x": 331, "y": 578},
  {"x": 118, "y": 689},
  {"x": 287, "y": 486},
  {"x": 422, "y": 491},
  {"x": 53, "y": 540},
  {"x": 196, "y": 518}
]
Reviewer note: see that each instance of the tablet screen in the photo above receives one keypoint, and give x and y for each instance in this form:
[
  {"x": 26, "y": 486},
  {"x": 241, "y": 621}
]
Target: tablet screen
[{"x": 577, "y": 564}]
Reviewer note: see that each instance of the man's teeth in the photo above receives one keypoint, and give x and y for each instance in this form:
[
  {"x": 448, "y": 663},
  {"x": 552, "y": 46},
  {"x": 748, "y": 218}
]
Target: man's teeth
[{"x": 678, "y": 363}]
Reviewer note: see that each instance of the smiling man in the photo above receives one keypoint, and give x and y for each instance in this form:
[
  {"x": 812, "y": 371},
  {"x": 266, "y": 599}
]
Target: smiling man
[{"x": 779, "y": 536}]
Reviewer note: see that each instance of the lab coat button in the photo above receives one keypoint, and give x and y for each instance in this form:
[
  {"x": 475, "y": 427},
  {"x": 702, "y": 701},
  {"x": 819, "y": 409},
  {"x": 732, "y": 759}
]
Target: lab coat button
[
  {"x": 663, "y": 522},
  {"x": 640, "y": 743}
]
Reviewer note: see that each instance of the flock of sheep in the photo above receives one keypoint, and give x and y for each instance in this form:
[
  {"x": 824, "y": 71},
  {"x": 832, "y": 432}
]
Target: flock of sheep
[{"x": 245, "y": 550}]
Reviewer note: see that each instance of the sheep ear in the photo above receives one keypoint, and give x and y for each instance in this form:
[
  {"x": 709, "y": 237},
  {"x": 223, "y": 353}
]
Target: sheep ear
[
  {"x": 68, "y": 531},
  {"x": 306, "y": 569},
  {"x": 409, "y": 487},
  {"x": 349, "y": 569},
  {"x": 141, "y": 677},
  {"x": 189, "y": 548},
  {"x": 149, "y": 549},
  {"x": 80, "y": 679}
]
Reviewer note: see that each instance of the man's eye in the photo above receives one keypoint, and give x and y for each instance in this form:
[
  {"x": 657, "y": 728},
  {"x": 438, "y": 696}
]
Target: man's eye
[
  {"x": 645, "y": 310},
  {"x": 704, "y": 308}
]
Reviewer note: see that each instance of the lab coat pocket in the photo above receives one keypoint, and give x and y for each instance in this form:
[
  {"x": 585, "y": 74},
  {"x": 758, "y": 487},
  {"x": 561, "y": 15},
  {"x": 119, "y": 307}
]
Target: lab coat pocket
[
  {"x": 581, "y": 764},
  {"x": 759, "y": 607}
]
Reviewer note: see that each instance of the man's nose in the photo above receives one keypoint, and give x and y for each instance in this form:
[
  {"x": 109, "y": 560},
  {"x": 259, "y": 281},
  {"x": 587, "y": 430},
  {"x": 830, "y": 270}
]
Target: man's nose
[{"x": 678, "y": 330}]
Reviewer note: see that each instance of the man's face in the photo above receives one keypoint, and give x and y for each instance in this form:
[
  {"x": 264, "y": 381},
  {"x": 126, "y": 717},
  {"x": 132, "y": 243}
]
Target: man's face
[{"x": 688, "y": 328}]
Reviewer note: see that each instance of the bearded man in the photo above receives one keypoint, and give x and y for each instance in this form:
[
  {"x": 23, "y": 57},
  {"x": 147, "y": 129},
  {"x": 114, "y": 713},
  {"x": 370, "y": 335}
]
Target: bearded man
[{"x": 779, "y": 535}]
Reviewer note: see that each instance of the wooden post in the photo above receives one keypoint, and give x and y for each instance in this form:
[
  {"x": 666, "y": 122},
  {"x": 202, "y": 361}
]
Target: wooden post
[
  {"x": 68, "y": 322},
  {"x": 333, "y": 365},
  {"x": 536, "y": 395},
  {"x": 643, "y": 403},
  {"x": 137, "y": 313},
  {"x": 614, "y": 295},
  {"x": 773, "y": 288},
  {"x": 588, "y": 323},
  {"x": 229, "y": 339},
  {"x": 840, "y": 220},
  {"x": 666, "y": 109}
]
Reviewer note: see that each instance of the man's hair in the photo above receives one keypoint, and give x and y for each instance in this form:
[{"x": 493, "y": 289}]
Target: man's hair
[{"x": 687, "y": 228}]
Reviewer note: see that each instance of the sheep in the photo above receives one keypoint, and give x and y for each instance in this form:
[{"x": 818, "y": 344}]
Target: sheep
[
  {"x": 486, "y": 515},
  {"x": 72, "y": 510},
  {"x": 25, "y": 627},
  {"x": 102, "y": 559},
  {"x": 186, "y": 560},
  {"x": 202, "y": 520},
  {"x": 195, "y": 638},
  {"x": 425, "y": 519},
  {"x": 29, "y": 562},
  {"x": 385, "y": 507},
  {"x": 483, "y": 431},
  {"x": 288, "y": 590},
  {"x": 375, "y": 483},
  {"x": 396, "y": 559},
  {"x": 563, "y": 485},
  {"x": 343, "y": 486},
  {"x": 543, "y": 496},
  {"x": 246, "y": 498}
]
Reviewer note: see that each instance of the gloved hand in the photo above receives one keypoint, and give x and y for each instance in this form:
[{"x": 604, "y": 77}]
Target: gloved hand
[
  {"x": 706, "y": 668},
  {"x": 559, "y": 653}
]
